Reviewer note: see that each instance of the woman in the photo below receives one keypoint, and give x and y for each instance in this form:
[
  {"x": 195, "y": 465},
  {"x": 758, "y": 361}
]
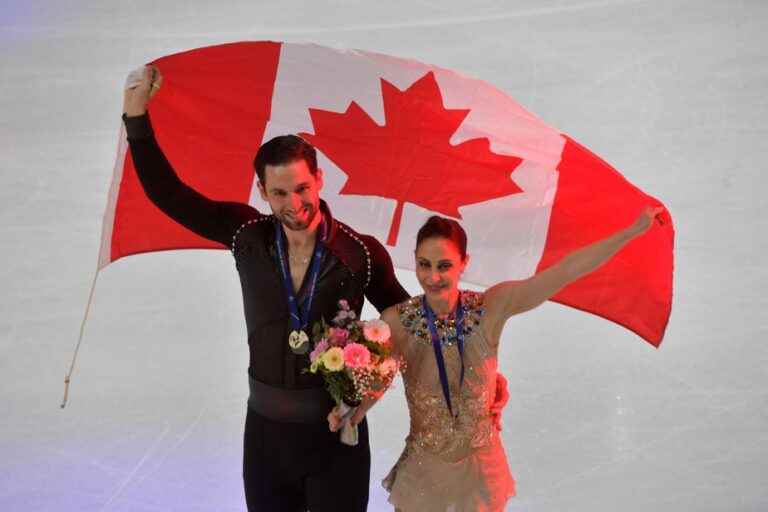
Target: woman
[{"x": 453, "y": 458}]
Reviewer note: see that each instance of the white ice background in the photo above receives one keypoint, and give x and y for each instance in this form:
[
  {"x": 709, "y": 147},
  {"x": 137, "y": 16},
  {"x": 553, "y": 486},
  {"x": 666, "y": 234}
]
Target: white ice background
[{"x": 672, "y": 93}]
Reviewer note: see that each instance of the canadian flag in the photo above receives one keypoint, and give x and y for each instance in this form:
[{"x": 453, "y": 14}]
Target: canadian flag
[{"x": 398, "y": 141}]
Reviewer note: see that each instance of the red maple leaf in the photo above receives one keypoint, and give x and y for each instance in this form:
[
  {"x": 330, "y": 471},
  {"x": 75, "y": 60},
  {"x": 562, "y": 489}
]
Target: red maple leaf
[{"x": 410, "y": 158}]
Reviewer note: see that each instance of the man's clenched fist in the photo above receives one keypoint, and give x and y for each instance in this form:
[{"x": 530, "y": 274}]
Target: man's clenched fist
[{"x": 140, "y": 86}]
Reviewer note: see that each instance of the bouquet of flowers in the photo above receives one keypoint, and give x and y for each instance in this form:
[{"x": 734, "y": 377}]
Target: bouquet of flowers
[{"x": 354, "y": 357}]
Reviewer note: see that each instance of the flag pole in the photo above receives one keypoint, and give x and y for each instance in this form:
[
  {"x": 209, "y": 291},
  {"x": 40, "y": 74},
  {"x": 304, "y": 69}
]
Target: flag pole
[
  {"x": 104, "y": 247},
  {"x": 68, "y": 376}
]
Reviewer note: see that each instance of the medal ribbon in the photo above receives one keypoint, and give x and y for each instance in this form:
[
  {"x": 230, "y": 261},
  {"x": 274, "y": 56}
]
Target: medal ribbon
[
  {"x": 299, "y": 318},
  {"x": 438, "y": 351}
]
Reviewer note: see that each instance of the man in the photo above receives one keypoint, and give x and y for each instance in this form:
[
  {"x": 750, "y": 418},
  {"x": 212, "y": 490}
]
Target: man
[{"x": 294, "y": 266}]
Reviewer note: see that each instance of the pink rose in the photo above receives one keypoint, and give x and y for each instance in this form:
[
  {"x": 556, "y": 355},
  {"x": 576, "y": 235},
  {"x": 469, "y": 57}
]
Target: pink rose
[
  {"x": 338, "y": 337},
  {"x": 356, "y": 356}
]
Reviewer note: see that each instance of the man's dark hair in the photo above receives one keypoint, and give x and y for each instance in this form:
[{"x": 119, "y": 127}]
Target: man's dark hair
[
  {"x": 284, "y": 149},
  {"x": 440, "y": 227}
]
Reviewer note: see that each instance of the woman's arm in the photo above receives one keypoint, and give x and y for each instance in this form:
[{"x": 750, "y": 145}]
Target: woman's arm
[{"x": 513, "y": 297}]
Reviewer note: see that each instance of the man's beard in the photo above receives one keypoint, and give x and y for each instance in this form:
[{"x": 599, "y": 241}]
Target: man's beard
[{"x": 296, "y": 224}]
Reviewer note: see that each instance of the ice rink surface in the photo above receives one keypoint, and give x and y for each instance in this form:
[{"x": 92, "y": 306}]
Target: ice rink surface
[{"x": 672, "y": 93}]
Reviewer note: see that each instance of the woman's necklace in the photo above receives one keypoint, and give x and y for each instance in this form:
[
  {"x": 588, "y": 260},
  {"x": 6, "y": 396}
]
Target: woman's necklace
[{"x": 431, "y": 325}]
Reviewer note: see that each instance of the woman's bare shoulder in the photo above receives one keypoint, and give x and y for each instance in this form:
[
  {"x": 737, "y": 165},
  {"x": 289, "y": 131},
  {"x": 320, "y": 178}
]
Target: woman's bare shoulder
[{"x": 391, "y": 315}]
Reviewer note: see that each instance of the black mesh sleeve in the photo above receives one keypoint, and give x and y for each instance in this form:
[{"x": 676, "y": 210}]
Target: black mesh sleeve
[
  {"x": 384, "y": 290},
  {"x": 214, "y": 220}
]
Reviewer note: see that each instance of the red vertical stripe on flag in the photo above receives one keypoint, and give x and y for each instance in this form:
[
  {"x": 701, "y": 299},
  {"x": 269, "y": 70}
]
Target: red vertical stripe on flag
[
  {"x": 634, "y": 289},
  {"x": 209, "y": 118}
]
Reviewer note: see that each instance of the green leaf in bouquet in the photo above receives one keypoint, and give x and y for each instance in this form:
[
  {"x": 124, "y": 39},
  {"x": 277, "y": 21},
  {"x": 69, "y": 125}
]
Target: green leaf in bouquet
[{"x": 318, "y": 331}]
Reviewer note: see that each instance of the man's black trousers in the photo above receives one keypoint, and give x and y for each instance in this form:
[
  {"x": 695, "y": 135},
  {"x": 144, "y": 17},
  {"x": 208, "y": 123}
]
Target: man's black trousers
[{"x": 294, "y": 467}]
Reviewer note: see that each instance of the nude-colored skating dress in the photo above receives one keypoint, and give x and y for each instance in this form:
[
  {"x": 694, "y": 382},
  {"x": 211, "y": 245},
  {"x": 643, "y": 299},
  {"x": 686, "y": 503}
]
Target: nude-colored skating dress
[{"x": 449, "y": 464}]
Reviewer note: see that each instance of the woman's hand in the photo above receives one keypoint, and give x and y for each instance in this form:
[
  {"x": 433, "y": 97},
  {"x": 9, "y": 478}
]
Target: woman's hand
[
  {"x": 645, "y": 219},
  {"x": 335, "y": 421},
  {"x": 362, "y": 409},
  {"x": 500, "y": 400}
]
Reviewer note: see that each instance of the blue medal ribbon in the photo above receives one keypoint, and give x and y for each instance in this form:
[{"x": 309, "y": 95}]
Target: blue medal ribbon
[
  {"x": 438, "y": 351},
  {"x": 299, "y": 317}
]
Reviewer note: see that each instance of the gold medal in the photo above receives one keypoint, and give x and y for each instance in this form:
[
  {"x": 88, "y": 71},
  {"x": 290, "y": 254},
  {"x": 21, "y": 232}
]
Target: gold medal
[{"x": 299, "y": 342}]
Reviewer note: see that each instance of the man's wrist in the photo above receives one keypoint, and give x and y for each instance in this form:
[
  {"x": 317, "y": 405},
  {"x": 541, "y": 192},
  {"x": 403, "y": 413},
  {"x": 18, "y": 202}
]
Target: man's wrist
[
  {"x": 138, "y": 126},
  {"x": 135, "y": 112}
]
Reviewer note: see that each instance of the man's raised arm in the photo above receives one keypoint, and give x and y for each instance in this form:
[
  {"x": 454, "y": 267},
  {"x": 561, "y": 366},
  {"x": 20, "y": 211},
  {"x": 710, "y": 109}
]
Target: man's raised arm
[{"x": 214, "y": 220}]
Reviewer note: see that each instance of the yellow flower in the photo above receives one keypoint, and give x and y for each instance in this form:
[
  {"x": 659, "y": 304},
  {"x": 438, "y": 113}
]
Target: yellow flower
[{"x": 333, "y": 359}]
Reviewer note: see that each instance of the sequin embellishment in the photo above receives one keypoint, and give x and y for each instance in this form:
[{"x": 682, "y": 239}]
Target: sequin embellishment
[{"x": 414, "y": 320}]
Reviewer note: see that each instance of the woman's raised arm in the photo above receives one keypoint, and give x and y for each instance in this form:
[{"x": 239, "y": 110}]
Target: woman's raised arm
[{"x": 510, "y": 298}]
